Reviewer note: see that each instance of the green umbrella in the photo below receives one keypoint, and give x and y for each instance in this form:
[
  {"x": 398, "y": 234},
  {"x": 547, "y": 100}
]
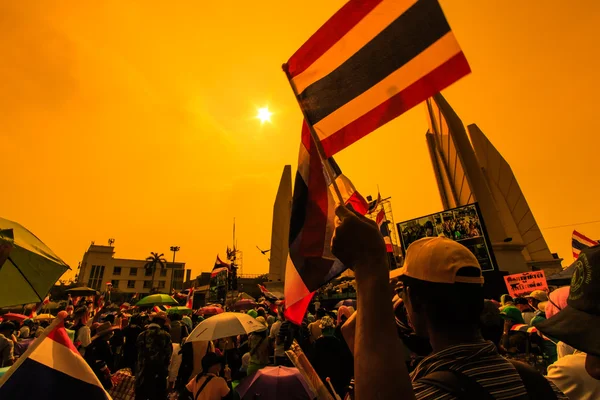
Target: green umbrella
[
  {"x": 179, "y": 310},
  {"x": 30, "y": 268},
  {"x": 157, "y": 300}
]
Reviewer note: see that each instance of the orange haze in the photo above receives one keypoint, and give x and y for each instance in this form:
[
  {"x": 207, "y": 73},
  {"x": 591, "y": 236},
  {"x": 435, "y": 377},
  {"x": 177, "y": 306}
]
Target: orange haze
[{"x": 135, "y": 120}]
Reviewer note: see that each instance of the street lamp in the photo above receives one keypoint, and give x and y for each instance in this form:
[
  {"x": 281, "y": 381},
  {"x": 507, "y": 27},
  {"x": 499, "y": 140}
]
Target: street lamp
[{"x": 174, "y": 249}]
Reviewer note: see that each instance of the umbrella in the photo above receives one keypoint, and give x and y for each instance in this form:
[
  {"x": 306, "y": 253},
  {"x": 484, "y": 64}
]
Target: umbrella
[
  {"x": 28, "y": 269},
  {"x": 179, "y": 310},
  {"x": 225, "y": 325},
  {"x": 157, "y": 300},
  {"x": 347, "y": 303},
  {"x": 271, "y": 383},
  {"x": 14, "y": 317},
  {"x": 210, "y": 310},
  {"x": 42, "y": 317},
  {"x": 81, "y": 291},
  {"x": 244, "y": 304}
]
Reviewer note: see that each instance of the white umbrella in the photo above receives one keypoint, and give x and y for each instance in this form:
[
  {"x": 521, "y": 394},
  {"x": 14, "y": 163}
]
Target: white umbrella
[{"x": 225, "y": 325}]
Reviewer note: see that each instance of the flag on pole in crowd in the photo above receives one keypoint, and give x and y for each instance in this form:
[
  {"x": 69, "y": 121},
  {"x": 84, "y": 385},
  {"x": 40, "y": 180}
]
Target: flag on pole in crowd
[
  {"x": 55, "y": 366},
  {"x": 267, "y": 293},
  {"x": 383, "y": 223},
  {"x": 579, "y": 242},
  {"x": 374, "y": 204},
  {"x": 161, "y": 308},
  {"x": 39, "y": 306},
  {"x": 310, "y": 262},
  {"x": 371, "y": 62},
  {"x": 220, "y": 266},
  {"x": 189, "y": 303},
  {"x": 33, "y": 312},
  {"x": 46, "y": 300}
]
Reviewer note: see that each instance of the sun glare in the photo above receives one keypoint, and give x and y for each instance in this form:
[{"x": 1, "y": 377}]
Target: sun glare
[{"x": 264, "y": 115}]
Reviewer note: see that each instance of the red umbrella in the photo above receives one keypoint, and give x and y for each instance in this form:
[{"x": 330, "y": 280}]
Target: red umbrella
[
  {"x": 272, "y": 383},
  {"x": 209, "y": 310},
  {"x": 15, "y": 317},
  {"x": 244, "y": 304}
]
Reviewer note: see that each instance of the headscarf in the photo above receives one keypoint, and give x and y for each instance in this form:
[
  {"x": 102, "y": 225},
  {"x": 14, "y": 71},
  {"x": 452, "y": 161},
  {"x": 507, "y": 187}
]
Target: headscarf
[
  {"x": 557, "y": 301},
  {"x": 344, "y": 311}
]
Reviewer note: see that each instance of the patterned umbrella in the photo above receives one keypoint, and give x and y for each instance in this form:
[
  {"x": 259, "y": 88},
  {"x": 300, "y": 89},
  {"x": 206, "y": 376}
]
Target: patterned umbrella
[
  {"x": 272, "y": 383},
  {"x": 244, "y": 304},
  {"x": 157, "y": 300},
  {"x": 209, "y": 310}
]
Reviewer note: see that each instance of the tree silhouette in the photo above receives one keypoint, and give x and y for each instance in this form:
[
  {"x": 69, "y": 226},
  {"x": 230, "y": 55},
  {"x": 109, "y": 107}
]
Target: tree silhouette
[{"x": 152, "y": 262}]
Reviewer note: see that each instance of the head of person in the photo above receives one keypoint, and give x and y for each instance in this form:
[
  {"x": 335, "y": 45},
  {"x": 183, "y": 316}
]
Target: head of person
[
  {"x": 442, "y": 287},
  {"x": 81, "y": 314},
  {"x": 211, "y": 363},
  {"x": 263, "y": 322},
  {"x": 109, "y": 318},
  {"x": 491, "y": 322},
  {"x": 136, "y": 319},
  {"x": 28, "y": 323},
  {"x": 327, "y": 326},
  {"x": 175, "y": 317},
  {"x": 522, "y": 304},
  {"x": 538, "y": 300},
  {"x": 506, "y": 299},
  {"x": 252, "y": 313},
  {"x": 261, "y": 312},
  {"x": 557, "y": 300},
  {"x": 159, "y": 318},
  {"x": 271, "y": 320},
  {"x": 7, "y": 328},
  {"x": 578, "y": 324}
]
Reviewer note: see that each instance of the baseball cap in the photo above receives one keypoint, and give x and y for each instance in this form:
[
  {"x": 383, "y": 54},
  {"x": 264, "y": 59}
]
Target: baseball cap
[
  {"x": 438, "y": 259},
  {"x": 539, "y": 295},
  {"x": 578, "y": 324}
]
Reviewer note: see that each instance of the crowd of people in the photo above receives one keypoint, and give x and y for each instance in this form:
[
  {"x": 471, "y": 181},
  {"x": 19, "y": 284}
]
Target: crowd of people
[{"x": 425, "y": 332}]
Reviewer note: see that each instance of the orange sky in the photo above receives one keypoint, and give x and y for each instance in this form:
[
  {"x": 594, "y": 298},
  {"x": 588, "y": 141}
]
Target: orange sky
[{"x": 135, "y": 120}]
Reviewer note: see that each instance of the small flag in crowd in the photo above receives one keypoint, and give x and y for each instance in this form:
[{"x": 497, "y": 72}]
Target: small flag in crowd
[
  {"x": 382, "y": 223},
  {"x": 267, "y": 293},
  {"x": 55, "y": 366},
  {"x": 220, "y": 266},
  {"x": 69, "y": 309},
  {"x": 579, "y": 242},
  {"x": 46, "y": 300},
  {"x": 310, "y": 262},
  {"x": 371, "y": 62},
  {"x": 189, "y": 303}
]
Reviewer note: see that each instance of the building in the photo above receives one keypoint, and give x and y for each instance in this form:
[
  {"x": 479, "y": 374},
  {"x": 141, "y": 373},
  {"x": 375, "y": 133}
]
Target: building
[
  {"x": 99, "y": 266},
  {"x": 469, "y": 171},
  {"x": 280, "y": 232}
]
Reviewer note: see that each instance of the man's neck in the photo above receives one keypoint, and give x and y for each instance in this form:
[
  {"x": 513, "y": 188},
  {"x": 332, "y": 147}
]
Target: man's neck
[{"x": 442, "y": 340}]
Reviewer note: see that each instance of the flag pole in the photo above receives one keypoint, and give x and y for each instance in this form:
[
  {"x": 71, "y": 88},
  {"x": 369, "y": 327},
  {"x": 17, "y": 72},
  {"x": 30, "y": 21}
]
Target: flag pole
[{"x": 315, "y": 139}]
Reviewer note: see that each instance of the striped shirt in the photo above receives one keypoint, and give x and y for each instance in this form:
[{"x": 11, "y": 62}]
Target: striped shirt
[{"x": 480, "y": 361}]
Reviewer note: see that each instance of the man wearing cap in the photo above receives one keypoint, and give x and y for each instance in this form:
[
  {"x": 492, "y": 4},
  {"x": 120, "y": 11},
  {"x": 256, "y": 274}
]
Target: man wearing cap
[
  {"x": 443, "y": 295},
  {"x": 154, "y": 355},
  {"x": 99, "y": 355},
  {"x": 208, "y": 385},
  {"x": 578, "y": 325}
]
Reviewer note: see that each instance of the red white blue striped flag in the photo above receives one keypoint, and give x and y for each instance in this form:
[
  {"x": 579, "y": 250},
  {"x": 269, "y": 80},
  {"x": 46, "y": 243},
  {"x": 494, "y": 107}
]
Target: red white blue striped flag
[
  {"x": 52, "y": 368},
  {"x": 310, "y": 262},
  {"x": 371, "y": 62},
  {"x": 579, "y": 242}
]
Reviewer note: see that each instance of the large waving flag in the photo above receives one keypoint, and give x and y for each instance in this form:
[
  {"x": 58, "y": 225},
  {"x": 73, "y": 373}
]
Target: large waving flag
[
  {"x": 52, "y": 368},
  {"x": 372, "y": 61},
  {"x": 189, "y": 303},
  {"x": 383, "y": 223},
  {"x": 220, "y": 266},
  {"x": 579, "y": 242},
  {"x": 310, "y": 262}
]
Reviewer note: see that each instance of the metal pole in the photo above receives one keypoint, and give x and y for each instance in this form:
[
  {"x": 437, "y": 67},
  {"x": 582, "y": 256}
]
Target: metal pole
[{"x": 174, "y": 249}]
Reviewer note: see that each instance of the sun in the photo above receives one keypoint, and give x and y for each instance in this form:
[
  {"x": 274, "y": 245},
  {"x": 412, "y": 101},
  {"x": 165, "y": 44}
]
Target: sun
[{"x": 264, "y": 115}]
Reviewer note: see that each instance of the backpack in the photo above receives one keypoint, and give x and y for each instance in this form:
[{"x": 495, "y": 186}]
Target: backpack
[{"x": 465, "y": 387}]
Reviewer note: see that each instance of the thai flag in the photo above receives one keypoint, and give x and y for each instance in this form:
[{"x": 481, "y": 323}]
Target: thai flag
[
  {"x": 268, "y": 295},
  {"x": 69, "y": 307},
  {"x": 190, "y": 299},
  {"x": 310, "y": 263},
  {"x": 52, "y": 368},
  {"x": 46, "y": 300},
  {"x": 579, "y": 242},
  {"x": 382, "y": 223},
  {"x": 220, "y": 266}
]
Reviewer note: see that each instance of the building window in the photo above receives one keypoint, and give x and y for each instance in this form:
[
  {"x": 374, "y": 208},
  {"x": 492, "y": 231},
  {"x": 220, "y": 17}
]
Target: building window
[
  {"x": 147, "y": 284},
  {"x": 115, "y": 283},
  {"x": 178, "y": 279},
  {"x": 117, "y": 271},
  {"x": 130, "y": 284},
  {"x": 148, "y": 272},
  {"x": 163, "y": 272},
  {"x": 96, "y": 275},
  {"x": 132, "y": 271},
  {"x": 161, "y": 284}
]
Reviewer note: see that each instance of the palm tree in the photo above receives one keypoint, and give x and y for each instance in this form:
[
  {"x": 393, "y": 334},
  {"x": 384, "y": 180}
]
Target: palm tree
[{"x": 153, "y": 261}]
